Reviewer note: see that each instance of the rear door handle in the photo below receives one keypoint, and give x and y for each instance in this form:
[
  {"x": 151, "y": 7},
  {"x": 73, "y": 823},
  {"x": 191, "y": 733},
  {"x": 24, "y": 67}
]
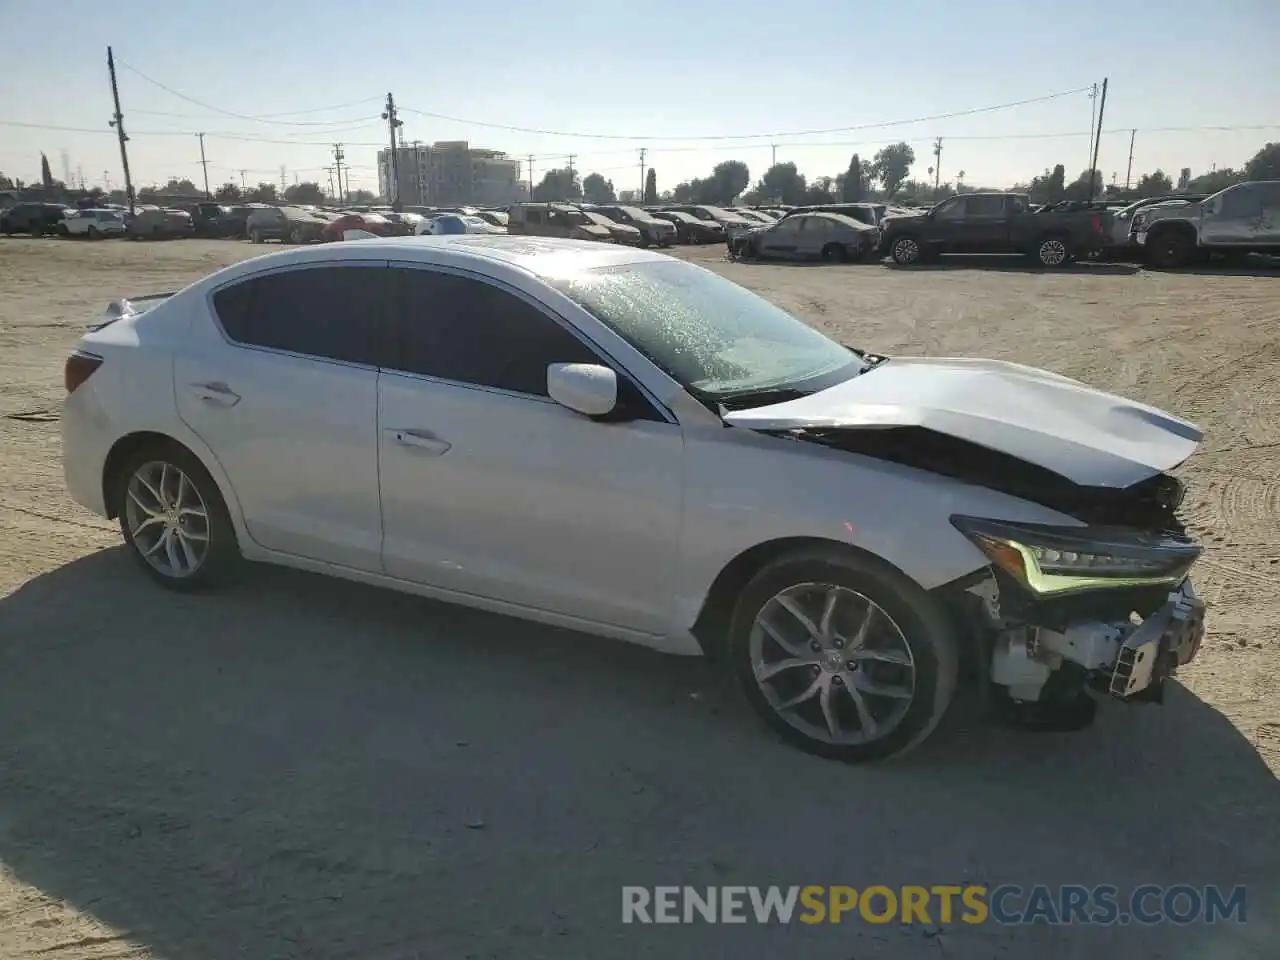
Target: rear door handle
[
  {"x": 216, "y": 394},
  {"x": 423, "y": 440}
]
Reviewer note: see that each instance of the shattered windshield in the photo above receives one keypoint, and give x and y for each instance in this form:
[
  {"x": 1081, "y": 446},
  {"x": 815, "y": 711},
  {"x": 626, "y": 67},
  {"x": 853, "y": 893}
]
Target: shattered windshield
[{"x": 713, "y": 336}]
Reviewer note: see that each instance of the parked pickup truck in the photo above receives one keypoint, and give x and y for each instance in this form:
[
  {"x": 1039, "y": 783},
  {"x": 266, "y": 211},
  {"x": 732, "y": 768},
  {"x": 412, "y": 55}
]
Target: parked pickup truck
[
  {"x": 1242, "y": 219},
  {"x": 995, "y": 223}
]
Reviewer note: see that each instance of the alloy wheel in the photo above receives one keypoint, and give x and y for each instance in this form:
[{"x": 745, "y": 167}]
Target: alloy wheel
[
  {"x": 1053, "y": 253},
  {"x": 168, "y": 519},
  {"x": 832, "y": 664},
  {"x": 906, "y": 251}
]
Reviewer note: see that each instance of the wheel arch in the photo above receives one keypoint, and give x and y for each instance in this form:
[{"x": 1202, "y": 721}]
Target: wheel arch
[
  {"x": 711, "y": 627},
  {"x": 1185, "y": 227},
  {"x": 131, "y": 443}
]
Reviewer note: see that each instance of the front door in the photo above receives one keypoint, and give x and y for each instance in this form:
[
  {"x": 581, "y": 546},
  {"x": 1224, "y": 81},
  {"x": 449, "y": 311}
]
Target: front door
[
  {"x": 984, "y": 225},
  {"x": 1234, "y": 218},
  {"x": 285, "y": 395},
  {"x": 490, "y": 488},
  {"x": 782, "y": 239}
]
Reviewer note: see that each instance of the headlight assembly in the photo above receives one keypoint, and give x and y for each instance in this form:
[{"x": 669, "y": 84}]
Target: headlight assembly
[{"x": 1051, "y": 561}]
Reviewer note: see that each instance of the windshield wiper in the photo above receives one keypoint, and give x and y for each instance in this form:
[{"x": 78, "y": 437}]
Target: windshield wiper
[{"x": 760, "y": 398}]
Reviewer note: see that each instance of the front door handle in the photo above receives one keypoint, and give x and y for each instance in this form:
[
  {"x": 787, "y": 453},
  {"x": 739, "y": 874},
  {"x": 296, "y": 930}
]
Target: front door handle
[
  {"x": 423, "y": 440},
  {"x": 216, "y": 394}
]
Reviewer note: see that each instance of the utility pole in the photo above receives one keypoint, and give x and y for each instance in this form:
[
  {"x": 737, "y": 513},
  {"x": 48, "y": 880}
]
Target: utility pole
[
  {"x": 118, "y": 123},
  {"x": 531, "y": 177},
  {"x": 937, "y": 166},
  {"x": 106, "y": 180},
  {"x": 204, "y": 163},
  {"x": 774, "y": 161},
  {"x": 642, "y": 174},
  {"x": 1129, "y": 172},
  {"x": 571, "y": 156},
  {"x": 389, "y": 115},
  {"x": 243, "y": 188},
  {"x": 1093, "y": 166},
  {"x": 417, "y": 172},
  {"x": 338, "y": 157},
  {"x": 329, "y": 170},
  {"x": 1093, "y": 120}
]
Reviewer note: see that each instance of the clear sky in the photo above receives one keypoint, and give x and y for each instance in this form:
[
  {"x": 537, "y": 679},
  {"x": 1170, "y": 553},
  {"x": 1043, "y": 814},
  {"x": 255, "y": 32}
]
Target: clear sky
[{"x": 667, "y": 75}]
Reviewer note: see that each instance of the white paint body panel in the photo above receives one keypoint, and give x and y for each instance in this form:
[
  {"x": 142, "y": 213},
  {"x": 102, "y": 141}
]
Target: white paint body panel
[{"x": 501, "y": 501}]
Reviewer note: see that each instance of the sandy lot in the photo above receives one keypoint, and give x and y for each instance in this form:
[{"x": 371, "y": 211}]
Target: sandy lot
[{"x": 305, "y": 768}]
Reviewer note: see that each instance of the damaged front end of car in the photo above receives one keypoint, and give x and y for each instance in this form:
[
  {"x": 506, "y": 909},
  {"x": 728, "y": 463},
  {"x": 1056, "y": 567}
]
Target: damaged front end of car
[{"x": 1062, "y": 617}]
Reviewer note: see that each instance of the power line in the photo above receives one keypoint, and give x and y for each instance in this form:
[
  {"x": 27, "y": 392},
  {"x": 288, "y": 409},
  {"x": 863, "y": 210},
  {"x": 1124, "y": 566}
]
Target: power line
[
  {"x": 752, "y": 136},
  {"x": 228, "y": 113}
]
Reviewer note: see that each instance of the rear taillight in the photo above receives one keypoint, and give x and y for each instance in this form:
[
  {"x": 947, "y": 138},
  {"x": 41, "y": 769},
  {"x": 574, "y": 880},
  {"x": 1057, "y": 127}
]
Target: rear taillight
[
  {"x": 79, "y": 368},
  {"x": 1097, "y": 223}
]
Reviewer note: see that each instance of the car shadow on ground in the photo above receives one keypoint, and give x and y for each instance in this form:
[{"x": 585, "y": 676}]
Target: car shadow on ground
[
  {"x": 1014, "y": 264},
  {"x": 298, "y": 766}
]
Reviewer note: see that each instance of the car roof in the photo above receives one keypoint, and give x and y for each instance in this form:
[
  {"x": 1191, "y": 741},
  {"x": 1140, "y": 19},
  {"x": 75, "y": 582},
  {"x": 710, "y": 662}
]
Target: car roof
[{"x": 540, "y": 256}]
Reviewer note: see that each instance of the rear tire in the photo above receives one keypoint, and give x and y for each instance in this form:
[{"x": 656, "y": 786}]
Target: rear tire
[
  {"x": 1053, "y": 251},
  {"x": 94, "y": 234},
  {"x": 861, "y": 692},
  {"x": 185, "y": 489},
  {"x": 835, "y": 253},
  {"x": 255, "y": 235}
]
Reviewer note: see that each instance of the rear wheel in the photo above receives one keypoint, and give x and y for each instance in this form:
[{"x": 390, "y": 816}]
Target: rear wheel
[
  {"x": 255, "y": 235},
  {"x": 297, "y": 236},
  {"x": 1053, "y": 251},
  {"x": 94, "y": 233},
  {"x": 835, "y": 253},
  {"x": 842, "y": 655},
  {"x": 173, "y": 518}
]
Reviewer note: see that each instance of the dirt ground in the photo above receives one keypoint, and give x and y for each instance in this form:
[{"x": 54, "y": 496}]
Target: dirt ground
[{"x": 299, "y": 767}]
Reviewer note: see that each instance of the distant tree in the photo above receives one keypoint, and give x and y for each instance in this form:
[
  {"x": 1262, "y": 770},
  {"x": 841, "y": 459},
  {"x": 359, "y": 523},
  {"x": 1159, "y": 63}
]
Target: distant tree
[
  {"x": 1184, "y": 178},
  {"x": 596, "y": 189},
  {"x": 891, "y": 166},
  {"x": 854, "y": 187},
  {"x": 558, "y": 185},
  {"x": 1049, "y": 187},
  {"x": 1265, "y": 164},
  {"x": 782, "y": 183},
  {"x": 651, "y": 186},
  {"x": 686, "y": 192},
  {"x": 263, "y": 193},
  {"x": 46, "y": 175},
  {"x": 361, "y": 196},
  {"x": 227, "y": 193},
  {"x": 180, "y": 188},
  {"x": 817, "y": 193},
  {"x": 1080, "y": 188},
  {"x": 728, "y": 179},
  {"x": 5, "y": 182},
  {"x": 1216, "y": 180},
  {"x": 304, "y": 193},
  {"x": 1154, "y": 184}
]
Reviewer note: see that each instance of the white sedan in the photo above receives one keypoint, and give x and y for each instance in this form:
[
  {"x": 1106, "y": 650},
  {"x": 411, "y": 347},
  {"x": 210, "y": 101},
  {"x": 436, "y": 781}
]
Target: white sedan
[{"x": 624, "y": 443}]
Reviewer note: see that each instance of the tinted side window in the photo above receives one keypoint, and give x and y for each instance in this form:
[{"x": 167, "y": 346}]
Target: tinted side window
[
  {"x": 456, "y": 328},
  {"x": 984, "y": 206},
  {"x": 329, "y": 312}
]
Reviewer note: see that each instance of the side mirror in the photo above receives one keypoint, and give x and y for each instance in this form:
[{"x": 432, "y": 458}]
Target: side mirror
[{"x": 586, "y": 388}]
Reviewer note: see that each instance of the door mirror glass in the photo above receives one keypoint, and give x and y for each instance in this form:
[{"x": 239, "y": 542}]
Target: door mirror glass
[{"x": 586, "y": 388}]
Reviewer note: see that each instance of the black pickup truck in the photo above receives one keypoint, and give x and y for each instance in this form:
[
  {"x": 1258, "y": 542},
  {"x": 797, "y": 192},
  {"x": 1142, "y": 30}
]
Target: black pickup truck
[{"x": 995, "y": 223}]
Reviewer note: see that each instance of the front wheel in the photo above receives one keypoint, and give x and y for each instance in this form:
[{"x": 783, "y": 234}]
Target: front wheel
[
  {"x": 173, "y": 518},
  {"x": 1170, "y": 249},
  {"x": 255, "y": 235},
  {"x": 906, "y": 252},
  {"x": 842, "y": 655},
  {"x": 94, "y": 233}
]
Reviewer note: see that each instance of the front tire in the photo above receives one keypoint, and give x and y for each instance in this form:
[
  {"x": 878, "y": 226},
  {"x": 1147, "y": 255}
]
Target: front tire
[
  {"x": 173, "y": 518},
  {"x": 906, "y": 251},
  {"x": 842, "y": 655},
  {"x": 835, "y": 253},
  {"x": 94, "y": 233},
  {"x": 1170, "y": 249},
  {"x": 255, "y": 235}
]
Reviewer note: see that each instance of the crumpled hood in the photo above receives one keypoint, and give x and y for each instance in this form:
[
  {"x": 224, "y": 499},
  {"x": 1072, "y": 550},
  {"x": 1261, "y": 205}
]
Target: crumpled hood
[{"x": 1088, "y": 436}]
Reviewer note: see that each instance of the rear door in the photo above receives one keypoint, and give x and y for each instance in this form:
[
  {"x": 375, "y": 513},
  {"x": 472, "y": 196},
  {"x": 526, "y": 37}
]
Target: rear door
[
  {"x": 1269, "y": 225},
  {"x": 491, "y": 488},
  {"x": 284, "y": 390},
  {"x": 984, "y": 227},
  {"x": 815, "y": 233},
  {"x": 782, "y": 239}
]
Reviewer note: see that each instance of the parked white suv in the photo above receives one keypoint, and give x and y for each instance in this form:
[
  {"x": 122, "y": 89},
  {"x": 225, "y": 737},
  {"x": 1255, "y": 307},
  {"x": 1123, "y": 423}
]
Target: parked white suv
[
  {"x": 1242, "y": 219},
  {"x": 92, "y": 223}
]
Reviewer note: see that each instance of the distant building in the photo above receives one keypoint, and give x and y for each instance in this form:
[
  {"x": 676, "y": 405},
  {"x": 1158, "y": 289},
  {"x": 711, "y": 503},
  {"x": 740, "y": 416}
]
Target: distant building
[
  {"x": 628, "y": 196},
  {"x": 450, "y": 173}
]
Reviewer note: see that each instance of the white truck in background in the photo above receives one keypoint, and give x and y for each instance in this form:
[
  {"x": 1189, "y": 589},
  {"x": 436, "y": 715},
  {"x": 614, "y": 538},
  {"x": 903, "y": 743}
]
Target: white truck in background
[{"x": 1242, "y": 219}]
